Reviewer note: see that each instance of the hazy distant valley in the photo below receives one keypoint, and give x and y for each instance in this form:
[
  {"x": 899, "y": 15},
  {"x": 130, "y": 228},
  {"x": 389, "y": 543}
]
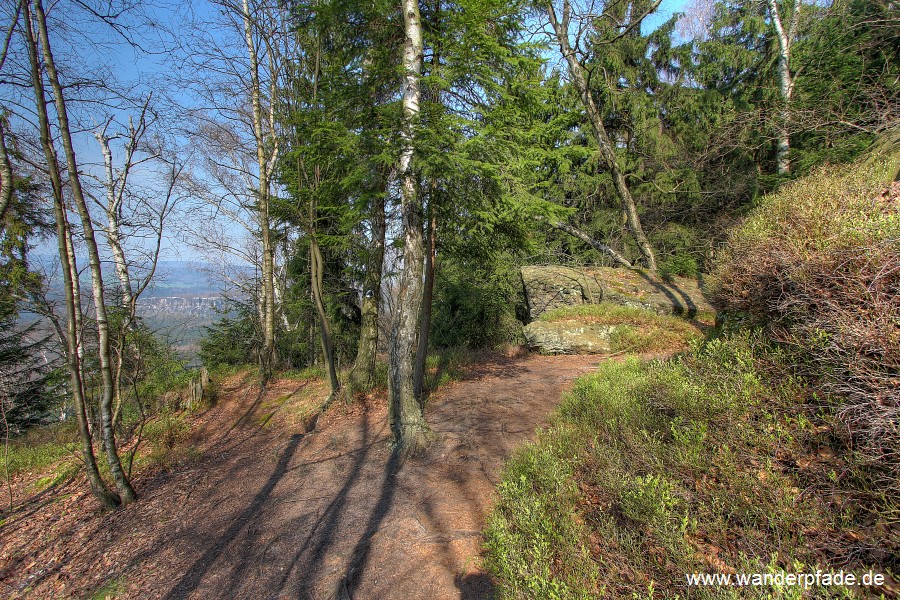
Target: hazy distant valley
[{"x": 179, "y": 304}]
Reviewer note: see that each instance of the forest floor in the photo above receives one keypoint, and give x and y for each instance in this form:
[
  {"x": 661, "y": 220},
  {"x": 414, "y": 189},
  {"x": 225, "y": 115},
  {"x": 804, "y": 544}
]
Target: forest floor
[{"x": 258, "y": 510}]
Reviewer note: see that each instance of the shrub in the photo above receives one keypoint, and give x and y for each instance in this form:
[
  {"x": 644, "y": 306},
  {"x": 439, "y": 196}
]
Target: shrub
[
  {"x": 534, "y": 542},
  {"x": 711, "y": 462},
  {"x": 167, "y": 435},
  {"x": 475, "y": 305},
  {"x": 648, "y": 499},
  {"x": 818, "y": 264}
]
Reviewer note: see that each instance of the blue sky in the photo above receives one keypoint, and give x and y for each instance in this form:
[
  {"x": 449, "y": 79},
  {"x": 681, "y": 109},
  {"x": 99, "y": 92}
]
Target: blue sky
[{"x": 666, "y": 9}]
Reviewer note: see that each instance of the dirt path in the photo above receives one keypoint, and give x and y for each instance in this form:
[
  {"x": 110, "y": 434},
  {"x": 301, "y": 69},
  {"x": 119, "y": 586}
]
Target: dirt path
[{"x": 262, "y": 515}]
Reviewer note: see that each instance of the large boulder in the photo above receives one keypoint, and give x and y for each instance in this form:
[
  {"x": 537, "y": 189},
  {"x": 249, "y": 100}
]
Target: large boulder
[
  {"x": 568, "y": 337},
  {"x": 548, "y": 287}
]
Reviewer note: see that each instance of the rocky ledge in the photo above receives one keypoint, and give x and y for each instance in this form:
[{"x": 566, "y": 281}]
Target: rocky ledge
[{"x": 549, "y": 287}]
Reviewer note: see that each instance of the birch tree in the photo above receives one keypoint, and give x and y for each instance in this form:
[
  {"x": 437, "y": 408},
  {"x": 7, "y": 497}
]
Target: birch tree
[
  {"x": 785, "y": 16},
  {"x": 267, "y": 148},
  {"x": 123, "y": 485},
  {"x": 133, "y": 214},
  {"x": 239, "y": 67},
  {"x": 405, "y": 410},
  {"x": 35, "y": 32},
  {"x": 563, "y": 29}
]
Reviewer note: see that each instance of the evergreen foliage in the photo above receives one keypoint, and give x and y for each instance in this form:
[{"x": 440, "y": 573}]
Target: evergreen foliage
[{"x": 29, "y": 382}]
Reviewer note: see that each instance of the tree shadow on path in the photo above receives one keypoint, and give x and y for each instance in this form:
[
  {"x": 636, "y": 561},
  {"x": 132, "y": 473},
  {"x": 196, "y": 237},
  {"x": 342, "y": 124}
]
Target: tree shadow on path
[
  {"x": 191, "y": 580},
  {"x": 318, "y": 543},
  {"x": 360, "y": 556}
]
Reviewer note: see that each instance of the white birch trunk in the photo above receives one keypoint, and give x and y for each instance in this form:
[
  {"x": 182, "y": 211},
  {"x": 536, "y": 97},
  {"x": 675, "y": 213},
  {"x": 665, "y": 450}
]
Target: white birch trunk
[
  {"x": 404, "y": 408},
  {"x": 785, "y": 40}
]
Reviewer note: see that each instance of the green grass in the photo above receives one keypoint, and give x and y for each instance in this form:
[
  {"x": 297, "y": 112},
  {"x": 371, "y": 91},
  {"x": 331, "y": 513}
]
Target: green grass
[
  {"x": 64, "y": 471},
  {"x": 311, "y": 372},
  {"x": 637, "y": 329},
  {"x": 650, "y": 471},
  {"x": 41, "y": 447},
  {"x": 164, "y": 443}
]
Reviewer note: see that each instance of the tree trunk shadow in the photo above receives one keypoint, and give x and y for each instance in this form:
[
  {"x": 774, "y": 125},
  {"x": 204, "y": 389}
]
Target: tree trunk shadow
[{"x": 190, "y": 580}]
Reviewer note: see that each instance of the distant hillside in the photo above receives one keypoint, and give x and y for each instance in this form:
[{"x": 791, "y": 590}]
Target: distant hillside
[{"x": 180, "y": 302}]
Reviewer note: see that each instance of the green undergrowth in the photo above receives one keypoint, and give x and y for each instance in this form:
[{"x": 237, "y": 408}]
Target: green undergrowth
[
  {"x": 165, "y": 441},
  {"x": 311, "y": 372},
  {"x": 636, "y": 329},
  {"x": 712, "y": 462},
  {"x": 41, "y": 448},
  {"x": 109, "y": 590}
]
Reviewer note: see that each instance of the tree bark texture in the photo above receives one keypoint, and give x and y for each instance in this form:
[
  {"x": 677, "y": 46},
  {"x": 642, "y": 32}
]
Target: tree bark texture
[
  {"x": 113, "y": 208},
  {"x": 785, "y": 80},
  {"x": 405, "y": 412},
  {"x": 362, "y": 375},
  {"x": 607, "y": 150},
  {"x": 6, "y": 173},
  {"x": 427, "y": 299},
  {"x": 67, "y": 259},
  {"x": 317, "y": 271},
  {"x": 123, "y": 485}
]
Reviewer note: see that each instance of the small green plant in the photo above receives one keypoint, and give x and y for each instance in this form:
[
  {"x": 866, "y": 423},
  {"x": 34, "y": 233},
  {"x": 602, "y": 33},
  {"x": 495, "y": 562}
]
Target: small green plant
[
  {"x": 311, "y": 372},
  {"x": 165, "y": 437},
  {"x": 166, "y": 430},
  {"x": 689, "y": 437},
  {"x": 63, "y": 472},
  {"x": 109, "y": 590},
  {"x": 648, "y": 499},
  {"x": 40, "y": 447}
]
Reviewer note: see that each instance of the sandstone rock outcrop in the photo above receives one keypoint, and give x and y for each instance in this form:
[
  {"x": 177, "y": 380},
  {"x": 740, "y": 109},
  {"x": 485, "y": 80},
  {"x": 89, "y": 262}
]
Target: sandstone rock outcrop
[
  {"x": 552, "y": 287},
  {"x": 548, "y": 287},
  {"x": 566, "y": 337}
]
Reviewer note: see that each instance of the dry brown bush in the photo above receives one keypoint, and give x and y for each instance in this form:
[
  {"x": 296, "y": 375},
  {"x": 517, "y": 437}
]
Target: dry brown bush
[{"x": 818, "y": 265}]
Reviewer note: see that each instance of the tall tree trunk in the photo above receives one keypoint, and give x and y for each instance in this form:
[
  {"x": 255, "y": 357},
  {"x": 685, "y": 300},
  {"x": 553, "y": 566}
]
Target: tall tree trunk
[
  {"x": 114, "y": 241},
  {"x": 362, "y": 375},
  {"x": 317, "y": 271},
  {"x": 405, "y": 412},
  {"x": 267, "y": 357},
  {"x": 431, "y": 93},
  {"x": 427, "y": 300},
  {"x": 73, "y": 362},
  {"x": 123, "y": 485},
  {"x": 6, "y": 173},
  {"x": 607, "y": 150},
  {"x": 76, "y": 284},
  {"x": 785, "y": 80},
  {"x": 67, "y": 264}
]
